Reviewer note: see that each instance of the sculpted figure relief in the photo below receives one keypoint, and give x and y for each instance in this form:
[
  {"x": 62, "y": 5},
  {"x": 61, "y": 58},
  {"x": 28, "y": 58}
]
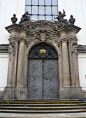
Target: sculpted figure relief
[
  {"x": 61, "y": 16},
  {"x": 11, "y": 48},
  {"x": 25, "y": 17}
]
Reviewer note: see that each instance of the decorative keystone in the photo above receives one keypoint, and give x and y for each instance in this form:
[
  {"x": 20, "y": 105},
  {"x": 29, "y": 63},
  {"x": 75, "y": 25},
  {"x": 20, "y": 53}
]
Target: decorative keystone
[{"x": 14, "y": 19}]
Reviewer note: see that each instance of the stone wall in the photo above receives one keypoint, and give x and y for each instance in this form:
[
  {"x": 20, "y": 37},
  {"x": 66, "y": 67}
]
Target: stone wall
[{"x": 1, "y": 95}]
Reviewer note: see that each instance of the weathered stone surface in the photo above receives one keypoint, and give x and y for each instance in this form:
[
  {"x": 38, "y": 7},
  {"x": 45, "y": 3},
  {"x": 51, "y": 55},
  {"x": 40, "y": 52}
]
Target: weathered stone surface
[
  {"x": 70, "y": 92},
  {"x": 9, "y": 93},
  {"x": 21, "y": 93},
  {"x": 23, "y": 37},
  {"x": 15, "y": 93},
  {"x": 1, "y": 95}
]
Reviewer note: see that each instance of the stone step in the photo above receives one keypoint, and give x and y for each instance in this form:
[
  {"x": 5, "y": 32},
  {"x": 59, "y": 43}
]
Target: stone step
[
  {"x": 43, "y": 111},
  {"x": 44, "y": 108},
  {"x": 43, "y": 102},
  {"x": 43, "y": 105}
]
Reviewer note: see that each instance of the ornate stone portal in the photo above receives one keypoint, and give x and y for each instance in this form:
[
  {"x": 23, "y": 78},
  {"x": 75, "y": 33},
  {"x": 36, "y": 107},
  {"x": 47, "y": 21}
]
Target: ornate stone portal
[{"x": 59, "y": 35}]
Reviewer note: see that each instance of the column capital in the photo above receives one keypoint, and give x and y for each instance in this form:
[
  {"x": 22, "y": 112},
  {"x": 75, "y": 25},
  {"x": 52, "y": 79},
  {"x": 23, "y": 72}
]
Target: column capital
[
  {"x": 64, "y": 40},
  {"x": 22, "y": 39}
]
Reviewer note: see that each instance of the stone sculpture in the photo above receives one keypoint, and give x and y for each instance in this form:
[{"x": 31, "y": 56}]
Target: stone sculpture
[
  {"x": 25, "y": 17},
  {"x": 14, "y": 19},
  {"x": 61, "y": 16},
  {"x": 72, "y": 20}
]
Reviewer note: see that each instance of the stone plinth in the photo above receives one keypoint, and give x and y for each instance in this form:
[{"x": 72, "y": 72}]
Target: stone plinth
[
  {"x": 70, "y": 92},
  {"x": 19, "y": 93}
]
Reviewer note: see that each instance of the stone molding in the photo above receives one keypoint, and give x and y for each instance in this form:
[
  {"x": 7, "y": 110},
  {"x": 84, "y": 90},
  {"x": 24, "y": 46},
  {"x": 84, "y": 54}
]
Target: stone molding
[
  {"x": 11, "y": 49},
  {"x": 4, "y": 48},
  {"x": 81, "y": 48}
]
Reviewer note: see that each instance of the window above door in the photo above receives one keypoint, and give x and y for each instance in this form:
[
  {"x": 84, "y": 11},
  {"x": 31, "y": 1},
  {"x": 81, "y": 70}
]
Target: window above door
[{"x": 42, "y": 9}]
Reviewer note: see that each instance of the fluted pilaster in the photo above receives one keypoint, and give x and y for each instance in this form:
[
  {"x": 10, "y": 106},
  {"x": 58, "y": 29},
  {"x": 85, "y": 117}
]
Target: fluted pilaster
[
  {"x": 21, "y": 61},
  {"x": 66, "y": 77}
]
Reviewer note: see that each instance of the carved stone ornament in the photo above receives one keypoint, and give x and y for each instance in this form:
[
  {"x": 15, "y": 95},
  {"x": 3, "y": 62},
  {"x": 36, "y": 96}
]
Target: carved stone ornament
[
  {"x": 48, "y": 36},
  {"x": 61, "y": 16},
  {"x": 14, "y": 19},
  {"x": 72, "y": 20},
  {"x": 11, "y": 48},
  {"x": 32, "y": 25},
  {"x": 42, "y": 36},
  {"x": 25, "y": 17},
  {"x": 37, "y": 36}
]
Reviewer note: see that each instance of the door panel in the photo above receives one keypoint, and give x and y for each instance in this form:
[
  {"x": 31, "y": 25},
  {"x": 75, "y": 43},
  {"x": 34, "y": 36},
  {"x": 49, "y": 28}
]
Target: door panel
[
  {"x": 35, "y": 79},
  {"x": 51, "y": 79},
  {"x": 43, "y": 79}
]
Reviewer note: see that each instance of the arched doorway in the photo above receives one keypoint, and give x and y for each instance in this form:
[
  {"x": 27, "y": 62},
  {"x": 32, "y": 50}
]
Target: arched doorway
[{"x": 43, "y": 76}]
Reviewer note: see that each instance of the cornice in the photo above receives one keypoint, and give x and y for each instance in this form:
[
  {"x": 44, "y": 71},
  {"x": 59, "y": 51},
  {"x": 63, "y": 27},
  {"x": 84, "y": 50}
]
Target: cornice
[
  {"x": 67, "y": 28},
  {"x": 4, "y": 48},
  {"x": 29, "y": 27},
  {"x": 81, "y": 48}
]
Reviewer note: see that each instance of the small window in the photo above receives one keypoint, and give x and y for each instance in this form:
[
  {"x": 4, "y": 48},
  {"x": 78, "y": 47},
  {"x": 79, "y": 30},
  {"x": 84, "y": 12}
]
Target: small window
[{"x": 42, "y": 9}]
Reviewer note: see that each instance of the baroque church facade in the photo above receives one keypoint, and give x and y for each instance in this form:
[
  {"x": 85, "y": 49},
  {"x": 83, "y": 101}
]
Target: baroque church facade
[{"x": 43, "y": 59}]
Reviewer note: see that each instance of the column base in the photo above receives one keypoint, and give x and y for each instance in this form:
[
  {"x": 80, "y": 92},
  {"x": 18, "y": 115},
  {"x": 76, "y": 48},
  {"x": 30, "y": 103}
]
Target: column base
[
  {"x": 70, "y": 92},
  {"x": 15, "y": 93},
  {"x": 21, "y": 93}
]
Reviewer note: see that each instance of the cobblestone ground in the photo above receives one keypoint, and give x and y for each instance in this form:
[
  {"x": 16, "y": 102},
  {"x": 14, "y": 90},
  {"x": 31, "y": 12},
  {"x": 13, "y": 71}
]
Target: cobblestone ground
[{"x": 58, "y": 115}]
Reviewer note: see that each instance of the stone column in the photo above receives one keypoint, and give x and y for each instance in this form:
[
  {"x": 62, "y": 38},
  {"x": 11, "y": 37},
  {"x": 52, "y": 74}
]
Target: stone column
[
  {"x": 65, "y": 89},
  {"x": 66, "y": 77},
  {"x": 79, "y": 94},
  {"x": 11, "y": 51},
  {"x": 10, "y": 88},
  {"x": 10, "y": 68},
  {"x": 20, "y": 74},
  {"x": 21, "y": 89},
  {"x": 60, "y": 66},
  {"x": 75, "y": 84},
  {"x": 71, "y": 57},
  {"x": 77, "y": 72},
  {"x": 15, "y": 62},
  {"x": 73, "y": 80},
  {"x": 76, "y": 65},
  {"x": 26, "y": 63}
]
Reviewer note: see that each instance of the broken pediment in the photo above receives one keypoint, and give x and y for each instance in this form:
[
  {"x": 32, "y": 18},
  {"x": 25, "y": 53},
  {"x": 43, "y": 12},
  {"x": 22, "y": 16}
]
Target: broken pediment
[
  {"x": 42, "y": 30},
  {"x": 36, "y": 25}
]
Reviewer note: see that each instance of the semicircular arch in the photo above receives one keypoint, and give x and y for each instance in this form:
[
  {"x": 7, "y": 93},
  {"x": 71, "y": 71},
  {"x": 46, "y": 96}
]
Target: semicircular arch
[{"x": 53, "y": 44}]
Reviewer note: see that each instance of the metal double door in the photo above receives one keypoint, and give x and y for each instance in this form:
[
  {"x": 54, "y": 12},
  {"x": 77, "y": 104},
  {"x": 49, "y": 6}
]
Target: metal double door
[{"x": 43, "y": 81}]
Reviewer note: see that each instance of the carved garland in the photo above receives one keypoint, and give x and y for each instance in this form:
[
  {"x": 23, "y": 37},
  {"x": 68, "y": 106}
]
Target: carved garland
[
  {"x": 37, "y": 37},
  {"x": 32, "y": 25}
]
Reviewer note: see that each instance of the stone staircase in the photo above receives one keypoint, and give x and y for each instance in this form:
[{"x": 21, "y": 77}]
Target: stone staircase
[{"x": 42, "y": 106}]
